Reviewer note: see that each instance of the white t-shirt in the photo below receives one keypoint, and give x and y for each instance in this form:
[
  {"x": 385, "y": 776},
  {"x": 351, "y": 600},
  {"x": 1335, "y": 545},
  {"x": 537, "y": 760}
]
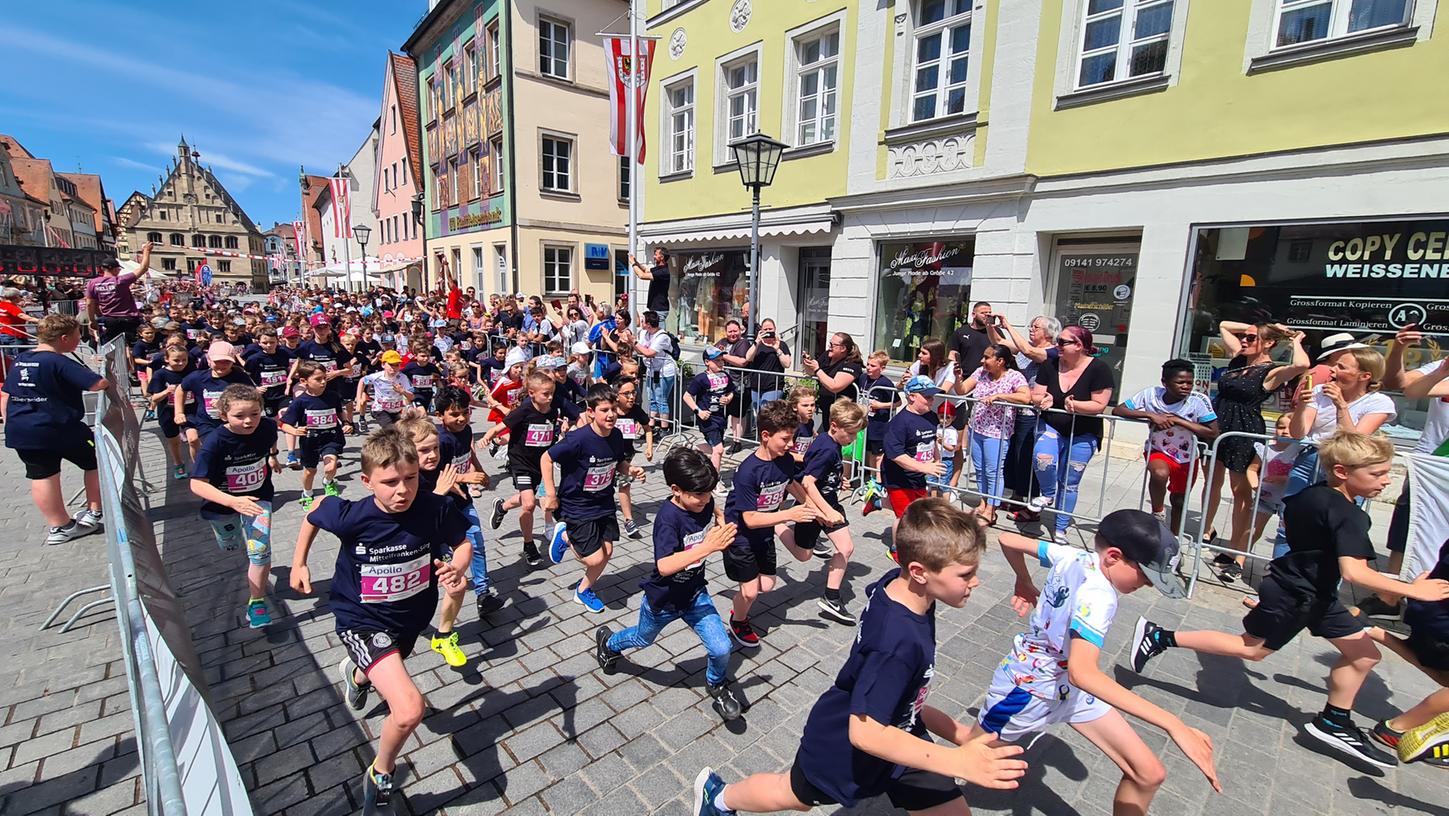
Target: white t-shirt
[
  {"x": 662, "y": 363},
  {"x": 1174, "y": 442},
  {"x": 1436, "y": 424},
  {"x": 1326, "y": 423},
  {"x": 1076, "y": 597}
]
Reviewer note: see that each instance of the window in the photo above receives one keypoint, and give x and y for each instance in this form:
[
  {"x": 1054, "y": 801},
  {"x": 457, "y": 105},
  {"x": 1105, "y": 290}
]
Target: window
[
  {"x": 942, "y": 55},
  {"x": 450, "y": 87},
  {"x": 223, "y": 266},
  {"x": 162, "y": 214},
  {"x": 741, "y": 97},
  {"x": 624, "y": 176},
  {"x": 819, "y": 67},
  {"x": 709, "y": 287},
  {"x": 168, "y": 264},
  {"x": 220, "y": 219},
  {"x": 470, "y": 68},
  {"x": 198, "y": 240},
  {"x": 386, "y": 179},
  {"x": 553, "y": 48},
  {"x": 404, "y": 168},
  {"x": 557, "y": 164},
  {"x": 558, "y": 272},
  {"x": 1122, "y": 39},
  {"x": 214, "y": 241},
  {"x": 433, "y": 104},
  {"x": 495, "y": 149},
  {"x": 231, "y": 242},
  {"x": 440, "y": 192},
  {"x": 494, "y": 45},
  {"x": 153, "y": 237},
  {"x": 923, "y": 291},
  {"x": 177, "y": 239},
  {"x": 1301, "y": 21},
  {"x": 680, "y": 137},
  {"x": 480, "y": 174},
  {"x": 465, "y": 178},
  {"x": 393, "y": 111},
  {"x": 455, "y": 188},
  {"x": 478, "y": 267}
]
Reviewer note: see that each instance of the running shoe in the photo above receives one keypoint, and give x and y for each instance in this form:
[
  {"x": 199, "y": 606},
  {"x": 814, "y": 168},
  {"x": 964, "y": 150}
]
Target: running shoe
[
  {"x": 823, "y": 550},
  {"x": 531, "y": 555},
  {"x": 631, "y": 529},
  {"x": 891, "y": 550},
  {"x": 1386, "y": 736},
  {"x": 356, "y": 694},
  {"x": 1222, "y": 560},
  {"x": 376, "y": 792},
  {"x": 1374, "y": 607},
  {"x": 1040, "y": 503},
  {"x": 488, "y": 602},
  {"x": 331, "y": 489},
  {"x": 706, "y": 789},
  {"x": 1232, "y": 573},
  {"x": 89, "y": 519},
  {"x": 608, "y": 658},
  {"x": 559, "y": 544},
  {"x": 496, "y": 520},
  {"x": 179, "y": 472},
  {"x": 149, "y": 415},
  {"x": 1427, "y": 743},
  {"x": 1146, "y": 643},
  {"x": 836, "y": 611},
  {"x": 726, "y": 701},
  {"x": 293, "y": 462},
  {"x": 493, "y": 449},
  {"x": 1349, "y": 740},
  {"x": 60, "y": 535},
  {"x": 305, "y": 503},
  {"x": 258, "y": 615},
  {"x": 589, "y": 600},
  {"x": 744, "y": 633},
  {"x": 449, "y": 649}
]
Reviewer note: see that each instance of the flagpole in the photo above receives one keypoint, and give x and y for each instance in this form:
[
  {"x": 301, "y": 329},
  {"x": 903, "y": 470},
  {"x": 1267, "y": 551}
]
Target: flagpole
[
  {"x": 344, "y": 226},
  {"x": 632, "y": 108}
]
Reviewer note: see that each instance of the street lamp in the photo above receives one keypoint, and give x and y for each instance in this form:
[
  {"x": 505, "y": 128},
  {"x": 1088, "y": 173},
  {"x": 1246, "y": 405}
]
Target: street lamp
[
  {"x": 757, "y": 156},
  {"x": 363, "y": 232}
]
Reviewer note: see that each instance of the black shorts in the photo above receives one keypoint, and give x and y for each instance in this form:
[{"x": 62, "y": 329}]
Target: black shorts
[
  {"x": 313, "y": 449},
  {"x": 807, "y": 533},
  {"x": 748, "y": 562},
  {"x": 525, "y": 480},
  {"x": 272, "y": 406},
  {"x": 875, "y": 445},
  {"x": 43, "y": 463},
  {"x": 112, "y": 327},
  {"x": 1399, "y": 523},
  {"x": 1281, "y": 615},
  {"x": 913, "y": 790},
  {"x": 169, "y": 428},
  {"x": 367, "y": 646},
  {"x": 1429, "y": 648},
  {"x": 588, "y": 537},
  {"x": 713, "y": 432},
  {"x": 385, "y": 419}
]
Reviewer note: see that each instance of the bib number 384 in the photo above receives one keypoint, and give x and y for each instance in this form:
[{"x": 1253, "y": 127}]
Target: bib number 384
[{"x": 388, "y": 583}]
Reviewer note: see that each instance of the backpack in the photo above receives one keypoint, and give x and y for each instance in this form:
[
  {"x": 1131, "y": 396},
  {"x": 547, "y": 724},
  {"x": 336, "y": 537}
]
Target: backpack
[{"x": 673, "y": 346}]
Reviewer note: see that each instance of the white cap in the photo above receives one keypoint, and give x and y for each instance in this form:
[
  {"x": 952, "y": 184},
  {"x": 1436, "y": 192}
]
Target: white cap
[
  {"x": 515, "y": 356},
  {"x": 579, "y": 348}
]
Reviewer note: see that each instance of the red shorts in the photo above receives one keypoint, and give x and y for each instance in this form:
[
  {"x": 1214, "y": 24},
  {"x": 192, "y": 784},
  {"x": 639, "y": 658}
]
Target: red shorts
[
  {"x": 902, "y": 497},
  {"x": 1176, "y": 472}
]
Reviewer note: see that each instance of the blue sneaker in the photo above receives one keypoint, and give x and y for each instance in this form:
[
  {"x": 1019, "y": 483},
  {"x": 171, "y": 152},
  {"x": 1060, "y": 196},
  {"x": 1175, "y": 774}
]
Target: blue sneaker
[
  {"x": 559, "y": 545},
  {"x": 706, "y": 787},
  {"x": 589, "y": 600},
  {"x": 258, "y": 615}
]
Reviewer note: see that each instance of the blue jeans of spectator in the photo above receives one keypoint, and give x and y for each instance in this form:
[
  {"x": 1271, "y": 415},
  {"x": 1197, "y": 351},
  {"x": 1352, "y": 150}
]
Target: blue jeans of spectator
[
  {"x": 943, "y": 482},
  {"x": 987, "y": 455},
  {"x": 1060, "y": 462},
  {"x": 701, "y": 616},
  {"x": 757, "y": 399},
  {"x": 478, "y": 569},
  {"x": 1304, "y": 473},
  {"x": 1019, "y": 476},
  {"x": 661, "y": 396}
]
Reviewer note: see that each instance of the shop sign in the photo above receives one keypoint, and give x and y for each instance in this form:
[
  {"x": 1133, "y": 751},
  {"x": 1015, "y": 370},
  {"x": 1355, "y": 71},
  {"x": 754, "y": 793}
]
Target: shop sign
[
  {"x": 596, "y": 256},
  {"x": 1381, "y": 280},
  {"x": 708, "y": 265},
  {"x": 930, "y": 262},
  {"x": 490, "y": 216},
  {"x": 1099, "y": 290}
]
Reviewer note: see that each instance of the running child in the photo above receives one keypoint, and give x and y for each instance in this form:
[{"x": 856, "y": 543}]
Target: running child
[
  {"x": 802, "y": 402},
  {"x": 1328, "y": 542},
  {"x": 455, "y": 437},
  {"x": 1053, "y": 673},
  {"x": 828, "y": 536},
  {"x": 161, "y": 392},
  {"x": 633, "y": 422},
  {"x": 880, "y": 392},
  {"x": 910, "y": 448},
  {"x": 232, "y": 475},
  {"x": 313, "y": 418},
  {"x": 392, "y": 391},
  {"x": 707, "y": 395},
  {"x": 352, "y": 381},
  {"x": 505, "y": 395},
  {"x": 390, "y": 563},
  {"x": 267, "y": 365},
  {"x": 423, "y": 374},
  {"x": 688, "y": 529},
  {"x": 204, "y": 388},
  {"x": 1180, "y": 417},
  {"x": 1267, "y": 476},
  {"x": 532, "y": 428},
  {"x": 589, "y": 461},
  {"x": 869, "y": 733},
  {"x": 143, "y": 350}
]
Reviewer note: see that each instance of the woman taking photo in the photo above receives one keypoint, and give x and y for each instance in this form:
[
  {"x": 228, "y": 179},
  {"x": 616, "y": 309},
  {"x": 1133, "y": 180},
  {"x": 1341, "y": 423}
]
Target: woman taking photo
[
  {"x": 1039, "y": 345},
  {"x": 998, "y": 387},
  {"x": 1242, "y": 390},
  {"x": 1078, "y": 386},
  {"x": 837, "y": 373}
]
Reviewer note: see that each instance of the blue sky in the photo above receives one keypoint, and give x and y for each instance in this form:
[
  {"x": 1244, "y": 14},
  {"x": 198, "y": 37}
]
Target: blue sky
[{"x": 257, "y": 87}]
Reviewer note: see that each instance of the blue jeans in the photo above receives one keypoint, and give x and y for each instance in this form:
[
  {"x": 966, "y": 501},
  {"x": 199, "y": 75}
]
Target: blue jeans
[
  {"x": 700, "y": 615},
  {"x": 757, "y": 399},
  {"x": 661, "y": 396},
  {"x": 1304, "y": 473},
  {"x": 478, "y": 570},
  {"x": 987, "y": 455},
  {"x": 1058, "y": 483}
]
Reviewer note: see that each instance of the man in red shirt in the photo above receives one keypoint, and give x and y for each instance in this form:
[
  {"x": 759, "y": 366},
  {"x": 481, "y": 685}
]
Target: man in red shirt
[
  {"x": 455, "y": 295},
  {"x": 12, "y": 318}
]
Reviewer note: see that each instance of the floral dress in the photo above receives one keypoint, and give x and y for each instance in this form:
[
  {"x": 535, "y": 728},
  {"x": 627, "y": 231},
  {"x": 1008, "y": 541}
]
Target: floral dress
[{"x": 998, "y": 419}]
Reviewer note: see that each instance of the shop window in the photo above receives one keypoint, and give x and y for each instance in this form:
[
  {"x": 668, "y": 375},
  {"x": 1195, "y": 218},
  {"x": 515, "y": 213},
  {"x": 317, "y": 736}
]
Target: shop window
[
  {"x": 1123, "y": 39},
  {"x": 1301, "y": 21},
  {"x": 707, "y": 289},
  {"x": 924, "y": 291},
  {"x": 1094, "y": 286}
]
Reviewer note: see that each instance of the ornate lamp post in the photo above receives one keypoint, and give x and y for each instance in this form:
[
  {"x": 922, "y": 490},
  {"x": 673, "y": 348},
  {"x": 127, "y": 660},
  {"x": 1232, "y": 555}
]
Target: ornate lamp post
[{"x": 758, "y": 156}]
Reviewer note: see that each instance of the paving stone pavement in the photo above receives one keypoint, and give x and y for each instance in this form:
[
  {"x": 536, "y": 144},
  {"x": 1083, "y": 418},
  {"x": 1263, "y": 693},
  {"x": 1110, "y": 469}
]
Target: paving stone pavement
[{"x": 532, "y": 726}]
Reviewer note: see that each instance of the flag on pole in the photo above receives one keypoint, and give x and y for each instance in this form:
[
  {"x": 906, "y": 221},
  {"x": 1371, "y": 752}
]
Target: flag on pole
[
  {"x": 342, "y": 206},
  {"x": 625, "y": 78},
  {"x": 297, "y": 239}
]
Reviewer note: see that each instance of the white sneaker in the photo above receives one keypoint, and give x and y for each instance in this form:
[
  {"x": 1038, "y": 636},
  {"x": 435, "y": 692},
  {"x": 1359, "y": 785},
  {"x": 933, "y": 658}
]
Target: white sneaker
[
  {"x": 1040, "y": 503},
  {"x": 60, "y": 535},
  {"x": 89, "y": 519}
]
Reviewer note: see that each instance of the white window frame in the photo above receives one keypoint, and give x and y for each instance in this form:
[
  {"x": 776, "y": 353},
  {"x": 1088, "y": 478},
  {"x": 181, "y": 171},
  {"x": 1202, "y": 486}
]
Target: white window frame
[
  {"x": 495, "y": 176},
  {"x": 568, "y": 45},
  {"x": 817, "y": 29},
  {"x": 723, "y": 95},
  {"x": 570, "y": 174},
  {"x": 1263, "y": 53},
  {"x": 1338, "y": 20},
  {"x": 478, "y": 189},
  {"x": 1126, "y": 44},
  {"x": 555, "y": 248},
  {"x": 942, "y": 93},
  {"x": 1069, "y": 49},
  {"x": 904, "y": 65},
  {"x": 495, "y": 45},
  {"x": 672, "y": 162}
]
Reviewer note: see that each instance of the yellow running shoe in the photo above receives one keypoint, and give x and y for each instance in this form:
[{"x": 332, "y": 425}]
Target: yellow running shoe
[
  {"x": 1428, "y": 743},
  {"x": 448, "y": 648}
]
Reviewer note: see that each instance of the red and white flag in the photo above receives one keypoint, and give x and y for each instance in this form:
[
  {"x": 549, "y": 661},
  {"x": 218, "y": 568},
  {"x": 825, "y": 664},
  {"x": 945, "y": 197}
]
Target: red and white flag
[
  {"x": 626, "y": 76},
  {"x": 297, "y": 239},
  {"x": 342, "y": 207}
]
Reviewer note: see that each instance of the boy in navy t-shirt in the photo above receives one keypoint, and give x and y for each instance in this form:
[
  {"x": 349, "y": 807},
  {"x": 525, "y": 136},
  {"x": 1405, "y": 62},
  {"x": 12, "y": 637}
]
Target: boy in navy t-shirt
[
  {"x": 423, "y": 374},
  {"x": 754, "y": 506},
  {"x": 910, "y": 448},
  {"x": 194, "y": 404},
  {"x": 687, "y": 530},
  {"x": 880, "y": 394},
  {"x": 267, "y": 363},
  {"x": 820, "y": 476},
  {"x": 589, "y": 461},
  {"x": 314, "y": 417},
  {"x": 161, "y": 391},
  {"x": 390, "y": 562},
  {"x": 707, "y": 395},
  {"x": 876, "y": 707}
]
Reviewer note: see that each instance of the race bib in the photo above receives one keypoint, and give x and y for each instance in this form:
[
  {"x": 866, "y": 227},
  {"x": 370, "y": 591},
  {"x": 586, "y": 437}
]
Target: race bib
[
  {"x": 327, "y": 365},
  {"x": 271, "y": 378},
  {"x": 422, "y": 381},
  {"x": 771, "y": 497},
  {"x": 718, "y": 382},
  {"x": 926, "y": 452},
  {"x": 539, "y": 435},
  {"x": 511, "y": 400},
  {"x": 628, "y": 428},
  {"x": 802, "y": 444},
  {"x": 356, "y": 370},
  {"x": 390, "y": 406},
  {"x": 690, "y": 542},
  {"x": 463, "y": 461},
  {"x": 599, "y": 477},
  {"x": 208, "y": 403},
  {"x": 388, "y": 583},
  {"x": 245, "y": 478},
  {"x": 321, "y": 420}
]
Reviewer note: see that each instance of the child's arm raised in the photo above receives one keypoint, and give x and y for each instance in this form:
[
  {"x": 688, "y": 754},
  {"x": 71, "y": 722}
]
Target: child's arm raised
[{"x": 1422, "y": 588}]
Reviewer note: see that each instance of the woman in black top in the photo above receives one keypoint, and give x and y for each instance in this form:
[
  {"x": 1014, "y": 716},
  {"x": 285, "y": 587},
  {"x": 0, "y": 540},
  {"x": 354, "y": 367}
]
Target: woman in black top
[
  {"x": 838, "y": 374},
  {"x": 1078, "y": 387}
]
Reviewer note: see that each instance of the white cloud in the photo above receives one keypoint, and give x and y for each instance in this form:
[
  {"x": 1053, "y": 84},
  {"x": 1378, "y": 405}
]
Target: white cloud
[{"x": 132, "y": 163}]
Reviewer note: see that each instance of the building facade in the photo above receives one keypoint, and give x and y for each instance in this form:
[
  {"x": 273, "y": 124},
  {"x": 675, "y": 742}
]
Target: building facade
[
  {"x": 20, "y": 214},
  {"x": 520, "y": 197},
  {"x": 397, "y": 190},
  {"x": 91, "y": 194},
  {"x": 280, "y": 245},
  {"x": 339, "y": 241}
]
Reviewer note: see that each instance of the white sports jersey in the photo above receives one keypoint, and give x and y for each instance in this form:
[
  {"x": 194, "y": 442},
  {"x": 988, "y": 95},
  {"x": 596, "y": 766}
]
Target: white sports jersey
[
  {"x": 1076, "y": 597},
  {"x": 1174, "y": 442}
]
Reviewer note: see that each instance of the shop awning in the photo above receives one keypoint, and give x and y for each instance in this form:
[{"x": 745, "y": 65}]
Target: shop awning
[{"x": 817, "y": 219}]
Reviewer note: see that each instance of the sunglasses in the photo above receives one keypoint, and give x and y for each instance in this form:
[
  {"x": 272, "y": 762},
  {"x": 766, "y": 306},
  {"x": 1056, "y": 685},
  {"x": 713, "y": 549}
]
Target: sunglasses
[
  {"x": 1248, "y": 338},
  {"x": 1065, "y": 342}
]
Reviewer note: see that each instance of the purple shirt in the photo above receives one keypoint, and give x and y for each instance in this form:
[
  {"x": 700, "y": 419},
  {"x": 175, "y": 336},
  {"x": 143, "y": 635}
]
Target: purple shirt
[{"x": 113, "y": 295}]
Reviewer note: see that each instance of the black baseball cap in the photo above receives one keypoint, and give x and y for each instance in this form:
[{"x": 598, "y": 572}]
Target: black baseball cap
[
  {"x": 110, "y": 263},
  {"x": 1145, "y": 541}
]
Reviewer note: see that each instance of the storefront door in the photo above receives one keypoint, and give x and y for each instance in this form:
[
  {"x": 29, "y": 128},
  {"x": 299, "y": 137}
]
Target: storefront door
[
  {"x": 811, "y": 333},
  {"x": 1094, "y": 287}
]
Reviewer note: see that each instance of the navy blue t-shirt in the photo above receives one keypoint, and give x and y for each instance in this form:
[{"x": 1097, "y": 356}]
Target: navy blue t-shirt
[
  {"x": 384, "y": 580},
  {"x": 880, "y": 389},
  {"x": 676, "y": 530},
  {"x": 269, "y": 371},
  {"x": 886, "y": 677},
  {"x": 141, "y": 349},
  {"x": 204, "y": 414},
  {"x": 587, "y": 464},
  {"x": 237, "y": 464},
  {"x": 320, "y": 415},
  {"x": 569, "y": 397},
  {"x": 822, "y": 460},
  {"x": 1432, "y": 617},
  {"x": 760, "y": 486},
  {"x": 424, "y": 379},
  {"x": 632, "y": 424},
  {"x": 47, "y": 410},
  {"x": 489, "y": 368},
  {"x": 803, "y": 435},
  {"x": 708, "y": 389},
  {"x": 161, "y": 379},
  {"x": 321, "y": 354},
  {"x": 913, "y": 435},
  {"x": 456, "y": 449}
]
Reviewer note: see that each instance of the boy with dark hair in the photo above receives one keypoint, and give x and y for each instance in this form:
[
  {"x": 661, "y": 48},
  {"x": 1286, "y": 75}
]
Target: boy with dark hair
[
  {"x": 868, "y": 733},
  {"x": 910, "y": 448},
  {"x": 633, "y": 423},
  {"x": 687, "y": 530},
  {"x": 589, "y": 461},
  {"x": 1180, "y": 417},
  {"x": 385, "y": 587},
  {"x": 1328, "y": 543},
  {"x": 1053, "y": 674},
  {"x": 532, "y": 428}
]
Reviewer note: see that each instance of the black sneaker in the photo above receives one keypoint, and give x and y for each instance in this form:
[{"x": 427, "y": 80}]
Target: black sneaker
[
  {"x": 496, "y": 520},
  {"x": 1145, "y": 644},
  {"x": 744, "y": 633},
  {"x": 376, "y": 791},
  {"x": 1230, "y": 573},
  {"x": 531, "y": 555},
  {"x": 1386, "y": 736},
  {"x": 489, "y": 602},
  {"x": 1350, "y": 740},
  {"x": 1222, "y": 560},
  {"x": 631, "y": 529},
  {"x": 608, "y": 658},
  {"x": 1374, "y": 607},
  {"x": 356, "y": 695},
  {"x": 836, "y": 611},
  {"x": 824, "y": 551},
  {"x": 727, "y": 703}
]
